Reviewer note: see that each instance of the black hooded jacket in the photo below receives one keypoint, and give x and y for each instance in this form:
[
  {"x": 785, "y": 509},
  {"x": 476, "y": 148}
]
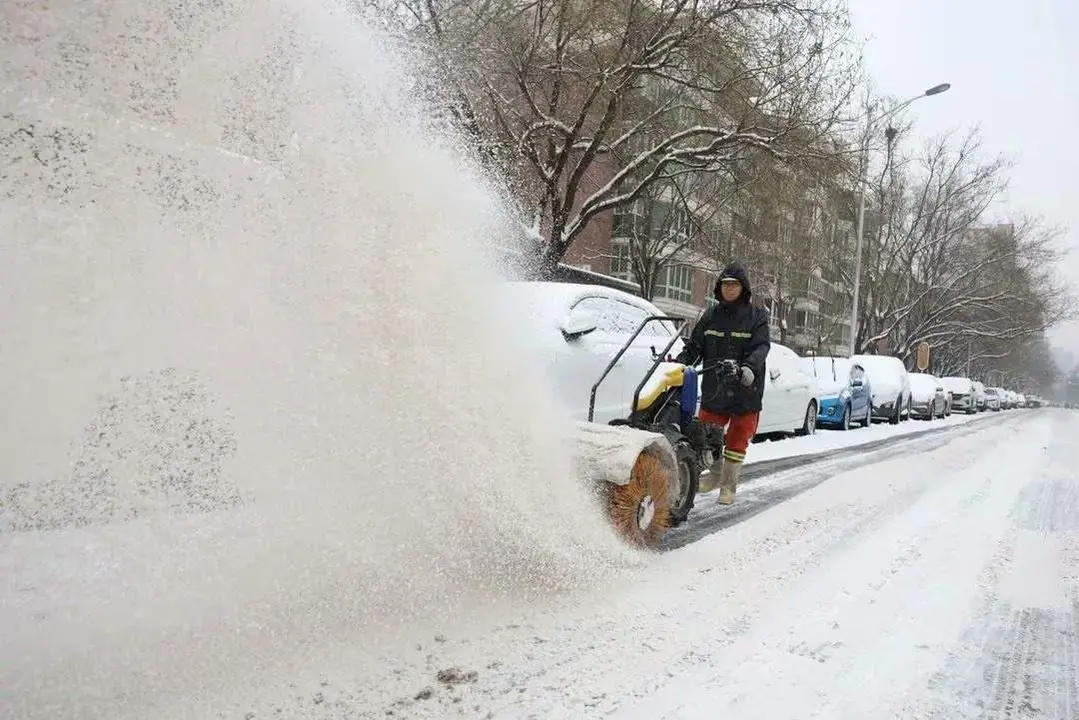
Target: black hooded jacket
[{"x": 730, "y": 331}]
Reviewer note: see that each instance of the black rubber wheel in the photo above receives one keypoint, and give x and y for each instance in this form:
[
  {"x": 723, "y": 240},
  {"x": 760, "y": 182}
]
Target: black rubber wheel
[
  {"x": 894, "y": 420},
  {"x": 845, "y": 422},
  {"x": 687, "y": 484},
  {"x": 809, "y": 422}
]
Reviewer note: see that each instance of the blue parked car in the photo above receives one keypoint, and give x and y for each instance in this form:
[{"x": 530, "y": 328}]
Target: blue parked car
[{"x": 845, "y": 396}]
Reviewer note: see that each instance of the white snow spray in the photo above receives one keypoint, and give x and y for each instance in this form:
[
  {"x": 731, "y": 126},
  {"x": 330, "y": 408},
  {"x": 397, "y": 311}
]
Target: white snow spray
[{"x": 255, "y": 385}]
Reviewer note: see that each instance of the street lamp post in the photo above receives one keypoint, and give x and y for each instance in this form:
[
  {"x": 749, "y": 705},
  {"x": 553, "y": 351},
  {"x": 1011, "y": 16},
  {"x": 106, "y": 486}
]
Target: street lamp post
[{"x": 863, "y": 171}]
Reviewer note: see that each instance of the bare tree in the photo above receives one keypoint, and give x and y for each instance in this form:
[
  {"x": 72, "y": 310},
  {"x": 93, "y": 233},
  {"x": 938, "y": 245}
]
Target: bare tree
[
  {"x": 787, "y": 228},
  {"x": 670, "y": 226},
  {"x": 1026, "y": 363},
  {"x": 600, "y": 100},
  {"x": 938, "y": 271}
]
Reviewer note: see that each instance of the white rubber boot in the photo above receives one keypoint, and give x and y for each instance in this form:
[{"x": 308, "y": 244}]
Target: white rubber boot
[
  {"x": 728, "y": 481},
  {"x": 710, "y": 480}
]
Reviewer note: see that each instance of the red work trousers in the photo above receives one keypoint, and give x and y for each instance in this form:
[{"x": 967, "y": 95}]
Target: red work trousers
[{"x": 740, "y": 429}]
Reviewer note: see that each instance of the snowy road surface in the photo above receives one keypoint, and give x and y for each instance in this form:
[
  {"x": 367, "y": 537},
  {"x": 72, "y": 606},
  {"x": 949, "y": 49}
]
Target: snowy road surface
[
  {"x": 827, "y": 440},
  {"x": 769, "y": 482},
  {"x": 941, "y": 583}
]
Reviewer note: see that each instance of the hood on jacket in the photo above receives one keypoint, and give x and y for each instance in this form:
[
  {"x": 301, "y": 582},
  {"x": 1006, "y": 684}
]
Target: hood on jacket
[{"x": 734, "y": 270}]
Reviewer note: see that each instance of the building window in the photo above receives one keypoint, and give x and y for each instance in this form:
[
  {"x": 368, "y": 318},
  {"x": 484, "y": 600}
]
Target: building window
[
  {"x": 676, "y": 283},
  {"x": 805, "y": 321},
  {"x": 621, "y": 267},
  {"x": 628, "y": 220},
  {"x": 621, "y": 222}
]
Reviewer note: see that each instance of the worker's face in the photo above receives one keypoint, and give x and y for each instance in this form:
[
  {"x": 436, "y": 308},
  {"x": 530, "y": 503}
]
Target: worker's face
[{"x": 730, "y": 290}]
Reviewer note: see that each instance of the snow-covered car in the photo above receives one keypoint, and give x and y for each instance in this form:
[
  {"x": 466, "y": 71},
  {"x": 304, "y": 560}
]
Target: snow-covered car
[
  {"x": 928, "y": 398},
  {"x": 1010, "y": 399},
  {"x": 890, "y": 385},
  {"x": 575, "y": 331},
  {"x": 994, "y": 398},
  {"x": 844, "y": 392},
  {"x": 981, "y": 402},
  {"x": 790, "y": 394},
  {"x": 1021, "y": 401},
  {"x": 962, "y": 393}
]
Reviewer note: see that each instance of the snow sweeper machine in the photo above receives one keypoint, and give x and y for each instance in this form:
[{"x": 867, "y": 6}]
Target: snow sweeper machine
[{"x": 648, "y": 464}]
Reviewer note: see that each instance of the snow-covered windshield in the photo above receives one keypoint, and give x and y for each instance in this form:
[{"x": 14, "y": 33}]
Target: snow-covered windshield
[
  {"x": 922, "y": 387},
  {"x": 959, "y": 385},
  {"x": 833, "y": 374},
  {"x": 885, "y": 373}
]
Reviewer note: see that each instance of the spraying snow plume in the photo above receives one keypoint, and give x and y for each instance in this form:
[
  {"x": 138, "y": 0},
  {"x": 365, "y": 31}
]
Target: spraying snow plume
[{"x": 256, "y": 390}]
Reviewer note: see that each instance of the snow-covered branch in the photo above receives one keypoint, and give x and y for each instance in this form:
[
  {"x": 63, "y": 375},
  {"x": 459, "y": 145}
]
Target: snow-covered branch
[
  {"x": 937, "y": 270},
  {"x": 599, "y": 101}
]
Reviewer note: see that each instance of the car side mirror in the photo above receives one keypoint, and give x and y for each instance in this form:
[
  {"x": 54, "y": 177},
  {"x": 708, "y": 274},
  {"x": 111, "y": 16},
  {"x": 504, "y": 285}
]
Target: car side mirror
[
  {"x": 857, "y": 383},
  {"x": 579, "y": 326}
]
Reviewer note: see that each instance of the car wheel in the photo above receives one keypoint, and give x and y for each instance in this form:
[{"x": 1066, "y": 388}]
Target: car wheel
[
  {"x": 846, "y": 417},
  {"x": 809, "y": 424},
  {"x": 868, "y": 421},
  {"x": 898, "y": 414},
  {"x": 932, "y": 415}
]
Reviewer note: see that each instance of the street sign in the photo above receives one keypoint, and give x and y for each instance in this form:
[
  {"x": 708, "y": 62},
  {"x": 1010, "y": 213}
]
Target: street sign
[{"x": 923, "y": 356}]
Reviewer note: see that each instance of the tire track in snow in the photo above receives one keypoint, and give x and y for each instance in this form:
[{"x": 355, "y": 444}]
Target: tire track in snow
[
  {"x": 849, "y": 640},
  {"x": 1019, "y": 657},
  {"x": 710, "y": 604},
  {"x": 566, "y": 671},
  {"x": 764, "y": 486}
]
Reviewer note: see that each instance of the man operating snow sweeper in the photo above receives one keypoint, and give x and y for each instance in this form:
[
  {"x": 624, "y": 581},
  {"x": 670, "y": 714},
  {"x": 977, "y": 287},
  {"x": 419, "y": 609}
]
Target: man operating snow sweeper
[{"x": 731, "y": 340}]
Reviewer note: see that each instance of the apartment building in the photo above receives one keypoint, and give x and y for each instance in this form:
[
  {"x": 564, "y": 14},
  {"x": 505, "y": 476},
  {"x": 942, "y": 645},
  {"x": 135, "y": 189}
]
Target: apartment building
[{"x": 807, "y": 295}]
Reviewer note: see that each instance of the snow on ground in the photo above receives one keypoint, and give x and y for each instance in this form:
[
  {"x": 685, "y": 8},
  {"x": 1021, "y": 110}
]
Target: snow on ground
[
  {"x": 943, "y": 584},
  {"x": 826, "y": 440}
]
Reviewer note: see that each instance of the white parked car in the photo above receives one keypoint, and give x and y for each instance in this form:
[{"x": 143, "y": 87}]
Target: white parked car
[
  {"x": 994, "y": 398},
  {"x": 981, "y": 401},
  {"x": 890, "y": 383},
  {"x": 575, "y": 330},
  {"x": 928, "y": 398},
  {"x": 964, "y": 398},
  {"x": 790, "y": 394},
  {"x": 1021, "y": 401}
]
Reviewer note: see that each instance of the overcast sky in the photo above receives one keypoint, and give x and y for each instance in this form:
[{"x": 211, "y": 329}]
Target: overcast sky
[{"x": 1012, "y": 66}]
